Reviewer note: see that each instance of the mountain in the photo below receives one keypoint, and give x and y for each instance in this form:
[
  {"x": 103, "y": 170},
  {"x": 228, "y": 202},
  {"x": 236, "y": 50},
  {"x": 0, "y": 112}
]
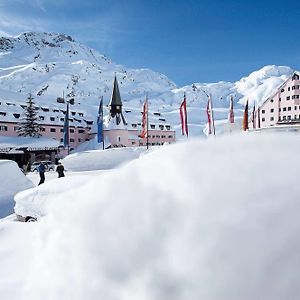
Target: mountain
[{"x": 50, "y": 65}]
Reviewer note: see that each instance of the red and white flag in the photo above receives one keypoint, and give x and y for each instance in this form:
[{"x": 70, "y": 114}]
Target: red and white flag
[
  {"x": 144, "y": 132},
  {"x": 209, "y": 115},
  {"x": 183, "y": 117},
  {"x": 231, "y": 113}
]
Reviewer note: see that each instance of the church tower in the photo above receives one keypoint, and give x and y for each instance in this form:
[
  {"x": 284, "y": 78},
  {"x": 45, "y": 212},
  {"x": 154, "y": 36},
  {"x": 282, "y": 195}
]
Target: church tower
[{"x": 115, "y": 105}]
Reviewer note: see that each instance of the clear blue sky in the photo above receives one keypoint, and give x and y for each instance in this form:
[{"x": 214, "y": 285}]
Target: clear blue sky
[{"x": 189, "y": 41}]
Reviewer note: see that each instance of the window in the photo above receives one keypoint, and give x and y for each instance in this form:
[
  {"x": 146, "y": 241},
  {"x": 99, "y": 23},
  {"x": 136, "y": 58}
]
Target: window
[
  {"x": 170, "y": 136},
  {"x": 133, "y": 125},
  {"x": 52, "y": 119},
  {"x": 289, "y": 108},
  {"x": 295, "y": 77},
  {"x": 263, "y": 111},
  {"x": 72, "y": 130},
  {"x": 289, "y": 117},
  {"x": 289, "y": 88},
  {"x": 73, "y": 113},
  {"x": 52, "y": 130},
  {"x": 288, "y": 98},
  {"x": 168, "y": 127},
  {"x": 79, "y": 140},
  {"x": 2, "y": 113},
  {"x": 272, "y": 119},
  {"x": 163, "y": 136},
  {"x": 81, "y": 131},
  {"x": 72, "y": 140},
  {"x": 61, "y": 140},
  {"x": 3, "y": 128},
  {"x": 16, "y": 128},
  {"x": 61, "y": 130},
  {"x": 279, "y": 109},
  {"x": 17, "y": 116},
  {"x": 263, "y": 119},
  {"x": 282, "y": 90},
  {"x": 152, "y": 126},
  {"x": 62, "y": 119},
  {"x": 295, "y": 107},
  {"x": 284, "y": 109},
  {"x": 272, "y": 110},
  {"x": 284, "y": 118},
  {"x": 119, "y": 139},
  {"x": 272, "y": 100},
  {"x": 279, "y": 99},
  {"x": 42, "y": 129},
  {"x": 161, "y": 127},
  {"x": 42, "y": 117}
]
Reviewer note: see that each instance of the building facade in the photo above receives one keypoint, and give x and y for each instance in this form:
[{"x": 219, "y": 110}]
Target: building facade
[
  {"x": 121, "y": 130},
  {"x": 282, "y": 109}
]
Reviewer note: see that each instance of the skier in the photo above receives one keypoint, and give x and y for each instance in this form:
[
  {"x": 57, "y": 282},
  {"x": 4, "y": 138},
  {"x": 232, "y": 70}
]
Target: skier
[
  {"x": 41, "y": 169},
  {"x": 60, "y": 170}
]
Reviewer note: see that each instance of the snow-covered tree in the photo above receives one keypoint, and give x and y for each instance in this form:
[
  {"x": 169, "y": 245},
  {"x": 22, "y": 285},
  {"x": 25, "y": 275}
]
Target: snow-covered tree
[{"x": 29, "y": 125}]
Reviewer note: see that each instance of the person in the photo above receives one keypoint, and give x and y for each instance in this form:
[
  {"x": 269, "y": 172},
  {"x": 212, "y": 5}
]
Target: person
[
  {"x": 41, "y": 169},
  {"x": 60, "y": 170}
]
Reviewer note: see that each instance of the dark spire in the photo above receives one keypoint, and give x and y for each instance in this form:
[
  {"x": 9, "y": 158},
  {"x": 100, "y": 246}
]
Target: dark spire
[
  {"x": 116, "y": 104},
  {"x": 115, "y": 97}
]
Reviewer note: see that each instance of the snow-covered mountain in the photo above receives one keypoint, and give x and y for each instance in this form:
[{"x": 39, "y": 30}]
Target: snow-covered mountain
[{"x": 50, "y": 65}]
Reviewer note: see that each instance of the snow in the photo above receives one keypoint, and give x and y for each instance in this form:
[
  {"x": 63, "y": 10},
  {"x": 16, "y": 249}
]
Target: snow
[
  {"x": 205, "y": 219},
  {"x": 100, "y": 159},
  {"x": 27, "y": 142},
  {"x": 12, "y": 181}
]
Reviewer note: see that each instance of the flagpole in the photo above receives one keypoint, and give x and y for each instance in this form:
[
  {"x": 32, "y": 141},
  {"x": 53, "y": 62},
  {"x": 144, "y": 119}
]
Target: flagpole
[
  {"x": 147, "y": 121},
  {"x": 102, "y": 131},
  {"x": 212, "y": 114}
]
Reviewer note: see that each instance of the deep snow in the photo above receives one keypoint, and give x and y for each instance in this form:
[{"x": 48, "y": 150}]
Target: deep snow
[{"x": 206, "y": 219}]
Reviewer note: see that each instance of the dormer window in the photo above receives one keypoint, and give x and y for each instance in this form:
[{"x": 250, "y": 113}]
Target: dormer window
[
  {"x": 152, "y": 126},
  {"x": 17, "y": 116},
  {"x": 295, "y": 77},
  {"x": 52, "y": 119}
]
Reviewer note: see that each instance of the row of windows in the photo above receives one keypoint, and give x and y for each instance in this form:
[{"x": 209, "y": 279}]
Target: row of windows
[
  {"x": 282, "y": 118},
  {"x": 62, "y": 130},
  {"x": 289, "y": 108},
  {"x": 73, "y": 140},
  {"x": 163, "y": 136}
]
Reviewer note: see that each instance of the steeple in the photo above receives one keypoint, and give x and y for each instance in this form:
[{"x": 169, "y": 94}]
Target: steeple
[{"x": 116, "y": 104}]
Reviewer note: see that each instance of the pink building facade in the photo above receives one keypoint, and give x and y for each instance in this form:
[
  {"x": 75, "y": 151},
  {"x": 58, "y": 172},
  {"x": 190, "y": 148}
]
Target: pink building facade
[{"x": 282, "y": 109}]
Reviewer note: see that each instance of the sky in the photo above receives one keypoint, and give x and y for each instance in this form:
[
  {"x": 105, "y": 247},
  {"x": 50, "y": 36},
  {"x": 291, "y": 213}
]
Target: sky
[{"x": 188, "y": 41}]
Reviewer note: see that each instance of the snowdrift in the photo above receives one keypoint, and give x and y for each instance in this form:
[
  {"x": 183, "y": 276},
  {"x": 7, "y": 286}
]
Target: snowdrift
[
  {"x": 12, "y": 181},
  {"x": 213, "y": 219},
  {"x": 100, "y": 159}
]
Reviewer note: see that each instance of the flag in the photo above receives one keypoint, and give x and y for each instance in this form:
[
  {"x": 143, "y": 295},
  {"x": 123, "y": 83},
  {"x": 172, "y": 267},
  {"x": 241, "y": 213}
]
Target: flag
[
  {"x": 209, "y": 115},
  {"x": 66, "y": 128},
  {"x": 253, "y": 117},
  {"x": 245, "y": 118},
  {"x": 183, "y": 117},
  {"x": 258, "y": 118},
  {"x": 100, "y": 122},
  {"x": 144, "y": 132},
  {"x": 231, "y": 113}
]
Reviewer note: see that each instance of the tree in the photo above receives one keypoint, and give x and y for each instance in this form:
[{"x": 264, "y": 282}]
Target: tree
[{"x": 29, "y": 125}]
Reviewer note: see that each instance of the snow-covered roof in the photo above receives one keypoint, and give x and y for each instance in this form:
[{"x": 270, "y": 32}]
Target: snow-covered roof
[{"x": 41, "y": 143}]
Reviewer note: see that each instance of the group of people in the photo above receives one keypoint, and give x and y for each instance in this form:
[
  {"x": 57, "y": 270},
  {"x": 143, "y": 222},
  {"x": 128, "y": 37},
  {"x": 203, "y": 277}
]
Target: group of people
[{"x": 42, "y": 168}]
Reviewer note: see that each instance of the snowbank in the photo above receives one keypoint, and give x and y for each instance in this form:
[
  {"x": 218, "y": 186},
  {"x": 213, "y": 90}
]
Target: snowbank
[
  {"x": 100, "y": 159},
  {"x": 213, "y": 219},
  {"x": 12, "y": 181}
]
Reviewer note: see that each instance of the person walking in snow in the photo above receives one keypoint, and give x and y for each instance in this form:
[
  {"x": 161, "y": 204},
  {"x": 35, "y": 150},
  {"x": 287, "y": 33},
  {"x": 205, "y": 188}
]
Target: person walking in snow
[
  {"x": 41, "y": 169},
  {"x": 60, "y": 170}
]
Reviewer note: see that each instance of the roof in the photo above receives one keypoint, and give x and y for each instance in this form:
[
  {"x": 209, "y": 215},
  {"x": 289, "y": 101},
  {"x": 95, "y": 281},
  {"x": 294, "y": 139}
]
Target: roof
[{"x": 115, "y": 97}]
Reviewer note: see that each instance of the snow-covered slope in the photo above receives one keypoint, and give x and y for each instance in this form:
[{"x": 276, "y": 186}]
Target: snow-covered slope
[{"x": 51, "y": 65}]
